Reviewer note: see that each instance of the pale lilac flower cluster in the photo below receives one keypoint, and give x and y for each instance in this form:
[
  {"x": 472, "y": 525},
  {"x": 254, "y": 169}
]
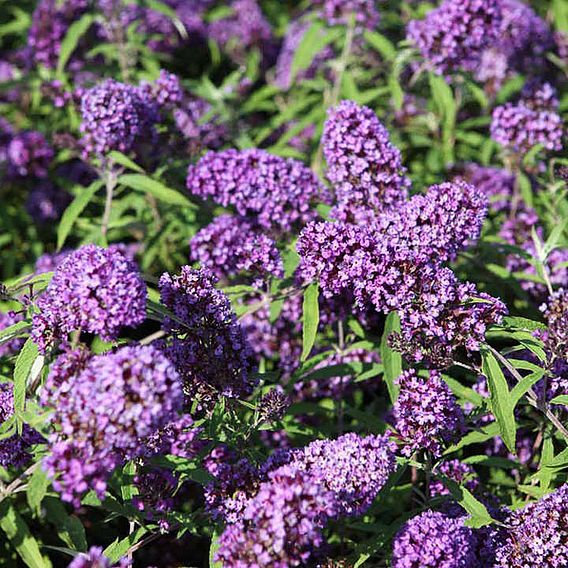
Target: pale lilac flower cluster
[
  {"x": 456, "y": 470},
  {"x": 537, "y": 534},
  {"x": 282, "y": 525},
  {"x": 14, "y": 450},
  {"x": 207, "y": 344},
  {"x": 520, "y": 127},
  {"x": 231, "y": 245},
  {"x": 426, "y": 414},
  {"x": 364, "y": 167},
  {"x": 454, "y": 35},
  {"x": 46, "y": 202},
  {"x": 352, "y": 467},
  {"x": 275, "y": 192},
  {"x": 29, "y": 154},
  {"x": 116, "y": 116},
  {"x": 103, "y": 412},
  {"x": 13, "y": 345},
  {"x": 435, "y": 540},
  {"x": 94, "y": 290}
]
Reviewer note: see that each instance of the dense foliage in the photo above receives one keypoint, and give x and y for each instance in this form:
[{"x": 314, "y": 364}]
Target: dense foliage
[{"x": 283, "y": 283}]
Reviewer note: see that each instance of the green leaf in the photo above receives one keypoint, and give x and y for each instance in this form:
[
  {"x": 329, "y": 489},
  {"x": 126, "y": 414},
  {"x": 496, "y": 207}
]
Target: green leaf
[
  {"x": 313, "y": 41},
  {"x": 381, "y": 44},
  {"x": 75, "y": 32},
  {"x": 475, "y": 437},
  {"x": 392, "y": 360},
  {"x": 479, "y": 516},
  {"x": 561, "y": 399},
  {"x": 37, "y": 489},
  {"x": 24, "y": 364},
  {"x": 447, "y": 109},
  {"x": 310, "y": 319},
  {"x": 213, "y": 551},
  {"x": 13, "y": 331},
  {"x": 145, "y": 184},
  {"x": 20, "y": 537},
  {"x": 518, "y": 322},
  {"x": 502, "y": 403},
  {"x": 122, "y": 160},
  {"x": 74, "y": 210},
  {"x": 116, "y": 550}
]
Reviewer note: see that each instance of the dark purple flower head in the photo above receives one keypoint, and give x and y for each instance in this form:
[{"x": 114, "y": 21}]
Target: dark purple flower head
[
  {"x": 14, "y": 450},
  {"x": 103, "y": 412},
  {"x": 352, "y": 467},
  {"x": 29, "y": 154},
  {"x": 540, "y": 96},
  {"x": 50, "y": 22},
  {"x": 244, "y": 28},
  {"x": 46, "y": 202},
  {"x": 338, "y": 12},
  {"x": 231, "y": 245},
  {"x": 339, "y": 386},
  {"x": 116, "y": 116},
  {"x": 281, "y": 526},
  {"x": 435, "y": 226},
  {"x": 273, "y": 405},
  {"x": 457, "y": 471},
  {"x": 434, "y": 540},
  {"x": 537, "y": 534},
  {"x": 279, "y": 339},
  {"x": 363, "y": 166},
  {"x": 293, "y": 39},
  {"x": 555, "y": 337},
  {"x": 276, "y": 192},
  {"x": 13, "y": 345},
  {"x": 198, "y": 124},
  {"x": 208, "y": 346},
  {"x": 444, "y": 316},
  {"x": 497, "y": 184},
  {"x": 454, "y": 35},
  {"x": 426, "y": 414},
  {"x": 166, "y": 90},
  {"x": 94, "y": 558},
  {"x": 518, "y": 127},
  {"x": 94, "y": 290},
  {"x": 180, "y": 437}
]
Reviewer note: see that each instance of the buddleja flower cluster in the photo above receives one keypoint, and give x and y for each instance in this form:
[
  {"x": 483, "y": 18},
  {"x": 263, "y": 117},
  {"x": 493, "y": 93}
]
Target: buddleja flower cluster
[
  {"x": 207, "y": 345},
  {"x": 393, "y": 261},
  {"x": 104, "y": 407},
  {"x": 281, "y": 520},
  {"x": 94, "y": 290}
]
